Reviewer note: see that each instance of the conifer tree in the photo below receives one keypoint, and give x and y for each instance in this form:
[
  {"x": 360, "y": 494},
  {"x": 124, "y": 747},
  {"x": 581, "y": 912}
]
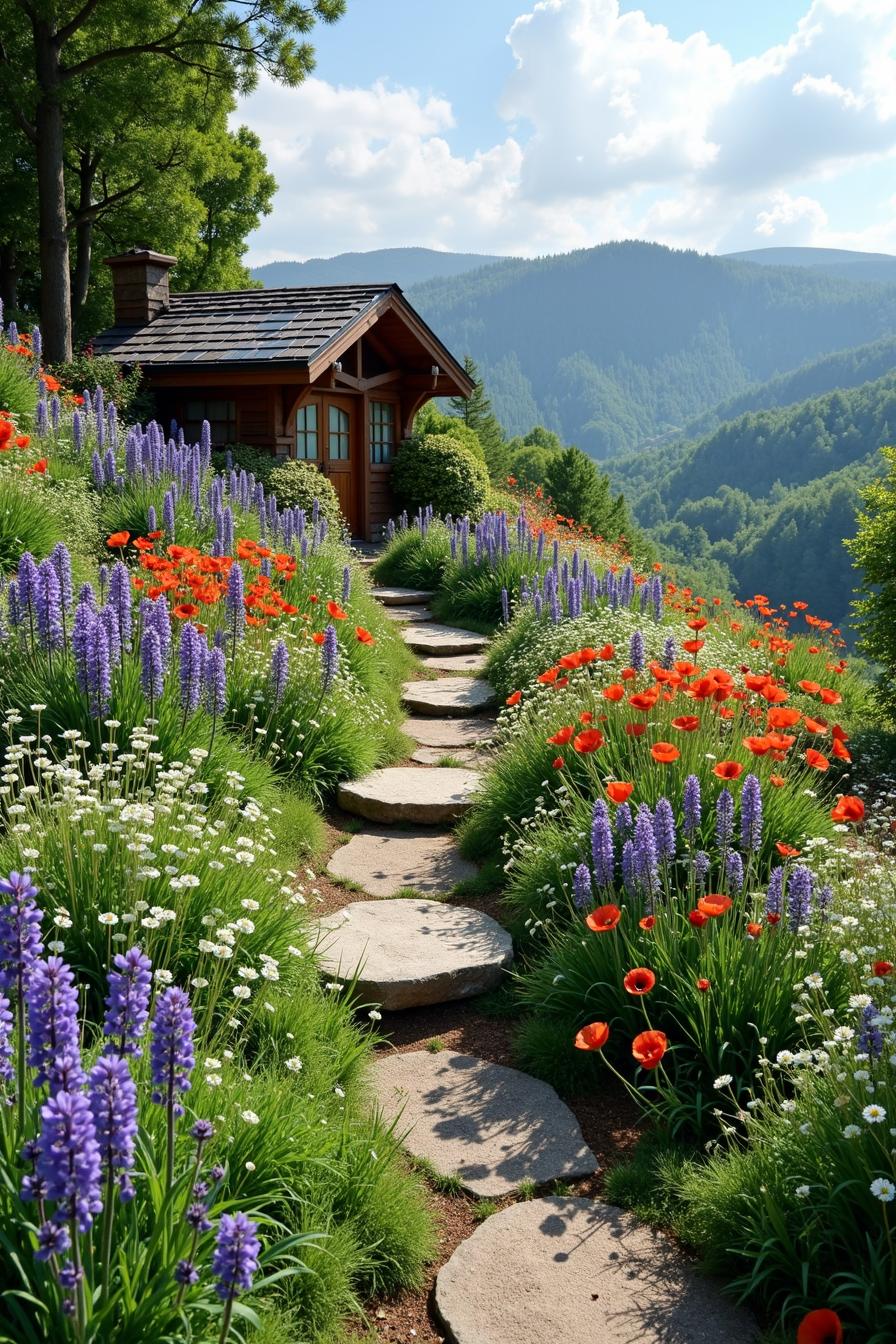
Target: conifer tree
[
  {"x": 476, "y": 412},
  {"x": 580, "y": 491}
]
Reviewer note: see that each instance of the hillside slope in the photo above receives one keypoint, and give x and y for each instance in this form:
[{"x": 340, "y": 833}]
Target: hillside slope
[
  {"x": 403, "y": 266},
  {"x": 874, "y": 266},
  {"x": 615, "y": 345}
]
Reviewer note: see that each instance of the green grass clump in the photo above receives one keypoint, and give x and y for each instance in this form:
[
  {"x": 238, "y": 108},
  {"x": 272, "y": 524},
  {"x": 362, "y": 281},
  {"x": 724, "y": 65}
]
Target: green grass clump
[
  {"x": 26, "y": 520},
  {"x": 414, "y": 561}
]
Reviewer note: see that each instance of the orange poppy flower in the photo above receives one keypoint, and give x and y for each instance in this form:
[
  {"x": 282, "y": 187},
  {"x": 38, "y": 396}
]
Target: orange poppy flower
[
  {"x": 664, "y": 753},
  {"x": 334, "y": 610},
  {"x": 782, "y": 717},
  {"x": 587, "y": 655},
  {"x": 604, "y": 918},
  {"x": 700, "y": 624},
  {"x": 23, "y": 441},
  {"x": 628, "y": 674},
  {"x": 780, "y": 741},
  {"x": 816, "y": 759},
  {"x": 820, "y": 1327},
  {"x": 815, "y": 725},
  {"x": 754, "y": 930},
  {"x": 647, "y": 922},
  {"x": 515, "y": 698},
  {"x": 728, "y": 770},
  {"x": 649, "y": 1047},
  {"x": 693, "y": 645},
  {"x": 635, "y": 729},
  {"x": 848, "y": 808},
  {"x": 318, "y": 637},
  {"x": 639, "y": 981},
  {"x": 185, "y": 610},
  {"x": 686, "y": 723},
  {"x": 830, "y": 697},
  {"x": 562, "y": 736},
  {"x": 644, "y": 700},
  {"x": 810, "y": 687},
  {"x": 587, "y": 741},
  {"x": 118, "y": 539},
  {"x": 714, "y": 904},
  {"x": 364, "y": 636},
  {"x": 759, "y": 746},
  {"x": 587, "y": 717},
  {"x": 619, "y": 791},
  {"x": 787, "y": 851},
  {"x": 571, "y": 661},
  {"x": 38, "y": 468},
  {"x": 592, "y": 1037},
  {"x": 614, "y": 692},
  {"x": 548, "y": 678},
  {"x": 777, "y": 780},
  {"x": 607, "y": 653},
  {"x": 703, "y": 985},
  {"x": 697, "y": 918}
]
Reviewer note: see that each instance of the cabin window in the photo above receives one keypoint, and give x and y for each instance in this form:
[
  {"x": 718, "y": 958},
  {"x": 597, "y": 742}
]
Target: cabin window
[
  {"x": 306, "y": 432},
  {"x": 221, "y": 416},
  {"x": 382, "y": 431},
  {"x": 337, "y": 435}
]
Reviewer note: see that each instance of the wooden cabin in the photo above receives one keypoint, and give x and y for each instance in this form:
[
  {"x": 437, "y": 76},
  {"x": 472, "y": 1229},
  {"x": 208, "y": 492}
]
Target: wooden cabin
[{"x": 330, "y": 374}]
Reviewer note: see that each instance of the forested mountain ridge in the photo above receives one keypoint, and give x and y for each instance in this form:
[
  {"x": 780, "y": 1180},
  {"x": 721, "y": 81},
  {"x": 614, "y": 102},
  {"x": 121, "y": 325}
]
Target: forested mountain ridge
[
  {"x": 614, "y": 345},
  {"x": 831, "y": 260},
  {"x": 393, "y": 265}
]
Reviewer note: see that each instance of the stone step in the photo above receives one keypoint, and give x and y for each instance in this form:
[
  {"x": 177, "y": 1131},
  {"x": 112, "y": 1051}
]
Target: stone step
[
  {"x": 460, "y": 662},
  {"x": 383, "y": 861},
  {"x": 401, "y": 597},
  {"x": 403, "y": 793},
  {"x": 439, "y": 639},
  {"x": 410, "y": 953},
  {"x": 435, "y": 732},
  {"x": 463, "y": 755},
  {"x": 491, "y": 1126},
  {"x": 454, "y": 697},
  {"x": 412, "y": 615},
  {"x": 582, "y": 1272}
]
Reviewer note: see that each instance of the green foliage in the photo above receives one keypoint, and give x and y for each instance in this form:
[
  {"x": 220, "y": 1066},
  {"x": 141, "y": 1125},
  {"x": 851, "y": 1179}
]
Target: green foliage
[
  {"x": 430, "y": 420},
  {"x": 579, "y": 491},
  {"x": 476, "y": 413},
  {"x": 297, "y": 485},
  {"x": 243, "y": 457},
  {"x": 437, "y": 469},
  {"x": 26, "y": 520},
  {"x": 874, "y": 552},
  {"x": 415, "y": 560},
  {"x": 86, "y": 371},
  {"x": 18, "y": 389}
]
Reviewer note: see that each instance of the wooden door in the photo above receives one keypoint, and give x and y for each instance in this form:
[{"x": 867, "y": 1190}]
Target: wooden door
[{"x": 341, "y": 459}]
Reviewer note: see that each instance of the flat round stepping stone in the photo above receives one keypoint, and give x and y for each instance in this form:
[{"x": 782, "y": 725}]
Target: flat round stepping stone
[
  {"x": 383, "y": 861},
  {"x": 401, "y": 597},
  {"x": 582, "y": 1272},
  {"x": 434, "y": 638},
  {"x": 491, "y": 1126},
  {"x": 459, "y": 662},
  {"x": 459, "y": 755},
  {"x": 437, "y": 732},
  {"x": 409, "y": 953},
  {"x": 456, "y": 697},
  {"x": 412, "y": 615},
  {"x": 401, "y": 793}
]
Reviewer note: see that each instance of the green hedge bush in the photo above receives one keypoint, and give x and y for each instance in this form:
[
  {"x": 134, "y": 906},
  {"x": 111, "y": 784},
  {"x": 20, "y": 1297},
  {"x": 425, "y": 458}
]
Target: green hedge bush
[
  {"x": 438, "y": 469},
  {"x": 298, "y": 484}
]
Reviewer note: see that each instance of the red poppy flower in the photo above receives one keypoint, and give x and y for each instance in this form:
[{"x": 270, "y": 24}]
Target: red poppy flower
[
  {"x": 562, "y": 736},
  {"x": 647, "y": 922},
  {"x": 754, "y": 930},
  {"x": 604, "y": 918},
  {"x": 780, "y": 741},
  {"x": 703, "y": 985},
  {"x": 664, "y": 753},
  {"x": 820, "y": 1327},
  {"x": 318, "y": 637},
  {"x": 700, "y": 624},
  {"x": 614, "y": 692},
  {"x": 588, "y": 741},
  {"x": 586, "y": 717},
  {"x": 23, "y": 441},
  {"x": 619, "y": 791},
  {"x": 558, "y": 763},
  {"x": 592, "y": 1037},
  {"x": 118, "y": 539},
  {"x": 571, "y": 661},
  {"x": 838, "y": 750},
  {"x": 697, "y": 918},
  {"x": 364, "y": 636},
  {"x": 515, "y": 698},
  {"x": 777, "y": 780},
  {"x": 882, "y": 968},
  {"x": 686, "y": 723},
  {"x": 185, "y": 610},
  {"x": 848, "y": 808},
  {"x": 38, "y": 468},
  {"x": 548, "y": 678},
  {"x": 639, "y": 981},
  {"x": 714, "y": 904},
  {"x": 649, "y": 1047},
  {"x": 810, "y": 687},
  {"x": 782, "y": 717},
  {"x": 693, "y": 645},
  {"x": 587, "y": 655},
  {"x": 607, "y": 653},
  {"x": 636, "y": 729},
  {"x": 773, "y": 919},
  {"x": 644, "y": 700},
  {"x": 787, "y": 851},
  {"x": 334, "y": 610},
  {"x": 816, "y": 760},
  {"x": 759, "y": 746},
  {"x": 728, "y": 770}
]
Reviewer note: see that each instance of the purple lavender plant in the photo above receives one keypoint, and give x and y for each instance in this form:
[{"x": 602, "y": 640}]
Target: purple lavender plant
[
  {"x": 751, "y": 815},
  {"x": 54, "y": 1038},
  {"x": 233, "y": 604},
  {"x": 724, "y": 820},
  {"x": 120, "y": 601},
  {"x": 664, "y": 830},
  {"x": 20, "y": 940},
  {"x": 346, "y": 583},
  {"x": 329, "y": 656},
  {"x": 112, "y": 1098},
  {"x": 7, "y": 1072},
  {"x": 152, "y": 673},
  {"x": 279, "y": 671},
  {"x": 602, "y": 850},
  {"x": 171, "y": 1058},
  {"x": 235, "y": 1259},
  {"x": 581, "y": 888},
  {"x": 734, "y": 871},
  {"x": 775, "y": 894},
  {"x": 127, "y": 1002},
  {"x": 68, "y": 1162},
  {"x": 636, "y": 653},
  {"x": 214, "y": 676},
  {"x": 191, "y": 658},
  {"x": 799, "y": 897}
]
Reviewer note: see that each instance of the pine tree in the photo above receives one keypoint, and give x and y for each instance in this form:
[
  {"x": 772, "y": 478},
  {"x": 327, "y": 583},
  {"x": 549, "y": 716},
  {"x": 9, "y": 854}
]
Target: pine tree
[
  {"x": 580, "y": 491},
  {"x": 476, "y": 412}
]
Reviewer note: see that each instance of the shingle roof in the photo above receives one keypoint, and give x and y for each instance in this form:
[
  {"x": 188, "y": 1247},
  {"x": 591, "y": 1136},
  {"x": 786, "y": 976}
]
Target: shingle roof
[{"x": 290, "y": 326}]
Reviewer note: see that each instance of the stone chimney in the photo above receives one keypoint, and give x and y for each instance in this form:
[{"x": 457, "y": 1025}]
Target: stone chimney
[{"x": 140, "y": 286}]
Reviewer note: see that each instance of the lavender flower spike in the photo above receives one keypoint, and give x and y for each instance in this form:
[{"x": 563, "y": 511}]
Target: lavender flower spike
[
  {"x": 20, "y": 940},
  {"x": 751, "y": 814},
  {"x": 68, "y": 1160},
  {"x": 279, "y": 670},
  {"x": 329, "y": 657},
  {"x": 581, "y": 888},
  {"x": 171, "y": 1050},
  {"x": 692, "y": 806},
  {"x": 127, "y": 1003},
  {"x": 602, "y": 850},
  {"x": 54, "y": 1036},
  {"x": 112, "y": 1097},
  {"x": 236, "y": 1253}
]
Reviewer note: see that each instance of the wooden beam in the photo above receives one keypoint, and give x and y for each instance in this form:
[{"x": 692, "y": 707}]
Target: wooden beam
[{"x": 382, "y": 379}]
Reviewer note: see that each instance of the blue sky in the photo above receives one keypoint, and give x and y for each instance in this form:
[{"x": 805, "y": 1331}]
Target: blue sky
[{"x": 426, "y": 123}]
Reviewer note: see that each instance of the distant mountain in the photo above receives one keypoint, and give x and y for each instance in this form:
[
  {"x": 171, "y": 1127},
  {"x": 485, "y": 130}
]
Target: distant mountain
[
  {"x": 404, "y": 266},
  {"x": 876, "y": 266},
  {"x": 618, "y": 345}
]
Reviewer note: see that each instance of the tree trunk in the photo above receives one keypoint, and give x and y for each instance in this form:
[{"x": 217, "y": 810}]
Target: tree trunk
[
  {"x": 9, "y": 277},
  {"x": 55, "y": 300},
  {"x": 83, "y": 232}
]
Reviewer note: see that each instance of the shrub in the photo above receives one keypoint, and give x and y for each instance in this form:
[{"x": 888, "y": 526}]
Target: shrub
[
  {"x": 438, "y": 469},
  {"x": 415, "y": 558},
  {"x": 26, "y": 520},
  {"x": 18, "y": 390},
  {"x": 298, "y": 484},
  {"x": 430, "y": 420},
  {"x": 86, "y": 371},
  {"x": 243, "y": 457}
]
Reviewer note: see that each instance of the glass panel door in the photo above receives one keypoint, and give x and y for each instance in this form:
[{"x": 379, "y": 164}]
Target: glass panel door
[{"x": 338, "y": 435}]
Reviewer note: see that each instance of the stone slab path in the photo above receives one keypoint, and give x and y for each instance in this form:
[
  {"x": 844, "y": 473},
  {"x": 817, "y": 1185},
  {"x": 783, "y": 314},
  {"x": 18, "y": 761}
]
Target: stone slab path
[
  {"x": 403, "y": 793},
  {"x": 400, "y": 597},
  {"x": 411, "y": 615},
  {"x": 454, "y": 697},
  {"x": 491, "y": 1126},
  {"x": 442, "y": 639},
  {"x": 409, "y": 953},
  {"x": 580, "y": 1272},
  {"x": 458, "y": 662},
  {"x": 448, "y": 732},
  {"x": 456, "y": 755},
  {"x": 384, "y": 861}
]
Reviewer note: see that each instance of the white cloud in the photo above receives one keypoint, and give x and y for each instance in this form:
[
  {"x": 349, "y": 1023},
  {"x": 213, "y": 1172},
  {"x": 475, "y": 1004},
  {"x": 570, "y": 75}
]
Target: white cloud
[{"x": 619, "y": 130}]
